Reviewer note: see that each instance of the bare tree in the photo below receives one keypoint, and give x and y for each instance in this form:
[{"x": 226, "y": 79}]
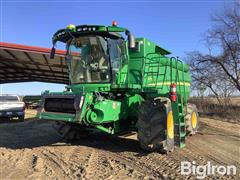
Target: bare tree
[
  {"x": 225, "y": 36},
  {"x": 219, "y": 70}
]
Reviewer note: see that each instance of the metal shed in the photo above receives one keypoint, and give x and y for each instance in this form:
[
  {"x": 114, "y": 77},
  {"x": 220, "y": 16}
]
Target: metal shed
[{"x": 21, "y": 63}]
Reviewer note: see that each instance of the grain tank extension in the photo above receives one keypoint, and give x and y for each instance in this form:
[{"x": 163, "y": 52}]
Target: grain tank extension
[{"x": 119, "y": 83}]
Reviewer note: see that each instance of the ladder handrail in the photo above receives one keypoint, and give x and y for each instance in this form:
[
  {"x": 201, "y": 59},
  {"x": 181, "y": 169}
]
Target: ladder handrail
[
  {"x": 184, "y": 88},
  {"x": 171, "y": 68},
  {"x": 155, "y": 60},
  {"x": 183, "y": 80}
]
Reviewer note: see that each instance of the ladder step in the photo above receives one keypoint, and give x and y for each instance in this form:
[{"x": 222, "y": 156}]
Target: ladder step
[
  {"x": 182, "y": 134},
  {"x": 181, "y": 114},
  {"x": 182, "y": 124},
  {"x": 182, "y": 145}
]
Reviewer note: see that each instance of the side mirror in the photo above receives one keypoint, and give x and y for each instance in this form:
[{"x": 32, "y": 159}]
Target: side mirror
[
  {"x": 131, "y": 40},
  {"x": 52, "y": 53}
]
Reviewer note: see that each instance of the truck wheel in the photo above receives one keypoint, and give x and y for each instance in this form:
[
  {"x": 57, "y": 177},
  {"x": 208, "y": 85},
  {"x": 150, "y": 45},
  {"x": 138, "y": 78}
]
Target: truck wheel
[
  {"x": 156, "y": 126},
  {"x": 192, "y": 124},
  {"x": 21, "y": 118},
  {"x": 69, "y": 131}
]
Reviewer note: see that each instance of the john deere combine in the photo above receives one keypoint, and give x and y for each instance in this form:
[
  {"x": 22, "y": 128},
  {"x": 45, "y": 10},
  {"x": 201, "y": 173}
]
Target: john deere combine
[{"x": 119, "y": 83}]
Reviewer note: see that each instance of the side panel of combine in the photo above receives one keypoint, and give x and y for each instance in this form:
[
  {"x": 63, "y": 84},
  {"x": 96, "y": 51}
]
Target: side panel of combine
[
  {"x": 150, "y": 70},
  {"x": 160, "y": 72},
  {"x": 154, "y": 73}
]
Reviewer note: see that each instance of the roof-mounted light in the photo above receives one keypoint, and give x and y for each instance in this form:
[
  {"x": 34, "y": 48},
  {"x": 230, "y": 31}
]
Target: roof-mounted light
[
  {"x": 71, "y": 27},
  {"x": 114, "y": 23}
]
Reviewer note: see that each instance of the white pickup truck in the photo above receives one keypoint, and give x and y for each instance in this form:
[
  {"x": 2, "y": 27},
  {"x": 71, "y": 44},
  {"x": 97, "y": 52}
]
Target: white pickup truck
[{"x": 11, "y": 106}]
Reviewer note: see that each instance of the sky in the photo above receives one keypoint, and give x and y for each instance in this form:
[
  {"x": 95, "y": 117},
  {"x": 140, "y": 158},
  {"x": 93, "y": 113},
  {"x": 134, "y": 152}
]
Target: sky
[{"x": 177, "y": 26}]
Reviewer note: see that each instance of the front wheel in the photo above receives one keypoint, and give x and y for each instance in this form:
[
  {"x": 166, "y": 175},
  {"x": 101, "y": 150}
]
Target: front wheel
[{"x": 156, "y": 126}]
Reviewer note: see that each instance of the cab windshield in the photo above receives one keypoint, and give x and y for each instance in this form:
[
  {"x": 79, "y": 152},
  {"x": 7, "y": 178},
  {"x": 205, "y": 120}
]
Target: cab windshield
[
  {"x": 88, "y": 60},
  {"x": 94, "y": 59}
]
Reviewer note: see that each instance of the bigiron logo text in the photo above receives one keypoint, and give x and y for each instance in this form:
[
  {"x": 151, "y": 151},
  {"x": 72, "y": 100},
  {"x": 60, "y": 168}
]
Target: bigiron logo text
[{"x": 202, "y": 171}]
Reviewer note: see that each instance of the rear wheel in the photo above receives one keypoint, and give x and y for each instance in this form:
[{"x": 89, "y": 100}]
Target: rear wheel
[
  {"x": 192, "y": 124},
  {"x": 70, "y": 131},
  {"x": 156, "y": 126}
]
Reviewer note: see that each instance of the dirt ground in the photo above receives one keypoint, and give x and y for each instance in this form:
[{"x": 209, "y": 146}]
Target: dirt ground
[{"x": 33, "y": 150}]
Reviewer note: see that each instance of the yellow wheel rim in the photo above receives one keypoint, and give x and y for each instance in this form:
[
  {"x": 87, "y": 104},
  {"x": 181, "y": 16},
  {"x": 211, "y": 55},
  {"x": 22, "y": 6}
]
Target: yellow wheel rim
[
  {"x": 170, "y": 125},
  {"x": 194, "y": 120}
]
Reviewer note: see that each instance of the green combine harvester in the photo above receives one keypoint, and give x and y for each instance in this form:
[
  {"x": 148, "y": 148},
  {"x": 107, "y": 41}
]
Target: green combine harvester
[{"x": 120, "y": 84}]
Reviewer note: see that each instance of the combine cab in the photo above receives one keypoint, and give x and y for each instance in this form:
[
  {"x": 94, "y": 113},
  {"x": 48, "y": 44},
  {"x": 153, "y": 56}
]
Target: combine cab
[{"x": 120, "y": 83}]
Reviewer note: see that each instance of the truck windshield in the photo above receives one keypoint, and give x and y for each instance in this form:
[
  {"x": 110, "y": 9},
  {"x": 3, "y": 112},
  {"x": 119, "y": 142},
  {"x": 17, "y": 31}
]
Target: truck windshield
[{"x": 88, "y": 60}]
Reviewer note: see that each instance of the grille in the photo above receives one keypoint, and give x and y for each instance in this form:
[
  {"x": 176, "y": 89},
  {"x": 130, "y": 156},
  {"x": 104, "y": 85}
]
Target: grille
[{"x": 62, "y": 105}]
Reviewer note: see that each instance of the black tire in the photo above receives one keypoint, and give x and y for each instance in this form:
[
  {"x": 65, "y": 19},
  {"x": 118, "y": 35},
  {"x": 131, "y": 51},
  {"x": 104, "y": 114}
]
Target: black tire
[
  {"x": 21, "y": 118},
  {"x": 70, "y": 131},
  {"x": 191, "y": 125},
  {"x": 152, "y": 126}
]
